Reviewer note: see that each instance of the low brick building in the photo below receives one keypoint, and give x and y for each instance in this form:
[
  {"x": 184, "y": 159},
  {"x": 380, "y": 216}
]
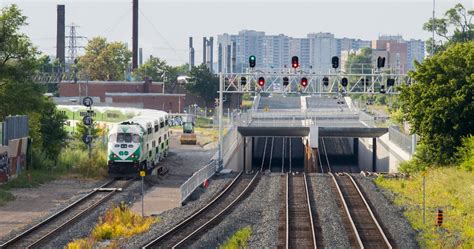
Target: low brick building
[{"x": 145, "y": 94}]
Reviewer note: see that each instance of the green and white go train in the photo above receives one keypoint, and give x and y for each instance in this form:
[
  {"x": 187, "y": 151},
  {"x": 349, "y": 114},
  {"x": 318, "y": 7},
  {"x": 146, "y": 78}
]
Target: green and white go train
[{"x": 138, "y": 144}]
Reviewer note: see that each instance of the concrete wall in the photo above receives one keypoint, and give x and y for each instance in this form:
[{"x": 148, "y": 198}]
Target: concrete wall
[{"x": 388, "y": 156}]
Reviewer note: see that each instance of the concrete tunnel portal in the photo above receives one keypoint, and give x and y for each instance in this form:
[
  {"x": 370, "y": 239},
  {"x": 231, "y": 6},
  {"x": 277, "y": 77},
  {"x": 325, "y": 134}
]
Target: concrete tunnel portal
[{"x": 284, "y": 149}]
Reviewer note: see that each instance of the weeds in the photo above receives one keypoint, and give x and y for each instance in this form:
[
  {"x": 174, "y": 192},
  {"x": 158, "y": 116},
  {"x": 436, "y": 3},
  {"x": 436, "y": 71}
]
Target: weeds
[
  {"x": 449, "y": 189},
  {"x": 239, "y": 239},
  {"x": 118, "y": 222}
]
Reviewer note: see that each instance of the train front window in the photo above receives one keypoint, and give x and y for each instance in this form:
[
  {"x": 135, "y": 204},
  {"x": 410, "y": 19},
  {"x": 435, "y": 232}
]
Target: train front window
[{"x": 126, "y": 137}]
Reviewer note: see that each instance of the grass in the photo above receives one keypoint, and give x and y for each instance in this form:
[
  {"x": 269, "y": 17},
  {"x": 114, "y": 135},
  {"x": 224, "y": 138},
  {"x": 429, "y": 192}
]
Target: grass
[
  {"x": 118, "y": 222},
  {"x": 76, "y": 160},
  {"x": 449, "y": 189},
  {"x": 27, "y": 179},
  {"x": 239, "y": 239}
]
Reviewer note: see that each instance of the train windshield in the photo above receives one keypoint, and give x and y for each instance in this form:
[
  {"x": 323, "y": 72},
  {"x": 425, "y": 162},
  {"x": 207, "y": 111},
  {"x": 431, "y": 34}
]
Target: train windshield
[{"x": 125, "y": 138}]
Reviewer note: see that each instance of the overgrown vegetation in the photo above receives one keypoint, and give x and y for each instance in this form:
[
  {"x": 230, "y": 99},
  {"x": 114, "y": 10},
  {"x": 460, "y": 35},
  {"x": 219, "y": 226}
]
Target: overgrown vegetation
[
  {"x": 75, "y": 159},
  {"x": 449, "y": 189},
  {"x": 239, "y": 239},
  {"x": 118, "y": 222}
]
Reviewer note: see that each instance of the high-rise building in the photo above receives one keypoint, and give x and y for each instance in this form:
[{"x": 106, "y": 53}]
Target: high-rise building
[
  {"x": 315, "y": 51},
  {"x": 416, "y": 51},
  {"x": 322, "y": 47}
]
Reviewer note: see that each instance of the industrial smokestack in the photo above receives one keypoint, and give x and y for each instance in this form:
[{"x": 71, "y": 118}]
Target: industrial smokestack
[
  {"x": 140, "y": 56},
  {"x": 191, "y": 53},
  {"x": 211, "y": 53},
  {"x": 135, "y": 35},
  {"x": 60, "y": 35},
  {"x": 204, "y": 50}
]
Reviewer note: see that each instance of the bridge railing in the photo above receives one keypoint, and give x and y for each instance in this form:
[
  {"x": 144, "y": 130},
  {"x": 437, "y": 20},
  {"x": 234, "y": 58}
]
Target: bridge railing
[
  {"x": 229, "y": 141},
  {"x": 190, "y": 185}
]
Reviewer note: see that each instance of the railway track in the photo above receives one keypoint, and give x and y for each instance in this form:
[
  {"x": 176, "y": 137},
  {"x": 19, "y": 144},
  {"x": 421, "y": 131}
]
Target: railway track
[
  {"x": 44, "y": 231},
  {"x": 358, "y": 216},
  {"x": 187, "y": 231},
  {"x": 298, "y": 229}
]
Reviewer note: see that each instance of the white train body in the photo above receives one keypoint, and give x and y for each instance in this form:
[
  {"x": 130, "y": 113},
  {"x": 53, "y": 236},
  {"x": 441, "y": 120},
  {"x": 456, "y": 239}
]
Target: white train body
[{"x": 138, "y": 143}]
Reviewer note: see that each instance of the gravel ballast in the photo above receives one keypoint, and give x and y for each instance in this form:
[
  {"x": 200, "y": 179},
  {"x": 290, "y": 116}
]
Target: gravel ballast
[
  {"x": 391, "y": 216},
  {"x": 170, "y": 218},
  {"x": 259, "y": 211},
  {"x": 324, "y": 204}
]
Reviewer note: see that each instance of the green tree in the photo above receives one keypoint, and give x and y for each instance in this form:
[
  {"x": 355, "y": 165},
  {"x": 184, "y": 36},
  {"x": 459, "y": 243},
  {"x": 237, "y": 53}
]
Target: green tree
[
  {"x": 18, "y": 94},
  {"x": 153, "y": 68},
  {"x": 105, "y": 61},
  {"x": 439, "y": 106},
  {"x": 357, "y": 60},
  {"x": 203, "y": 83},
  {"x": 458, "y": 20},
  {"x": 52, "y": 127}
]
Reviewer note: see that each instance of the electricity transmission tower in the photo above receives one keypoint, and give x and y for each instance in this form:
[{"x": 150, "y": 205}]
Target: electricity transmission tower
[{"x": 73, "y": 46}]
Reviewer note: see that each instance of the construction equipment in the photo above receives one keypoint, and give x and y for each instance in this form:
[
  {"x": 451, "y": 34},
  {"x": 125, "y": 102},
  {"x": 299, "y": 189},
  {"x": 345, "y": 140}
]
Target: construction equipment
[{"x": 188, "y": 136}]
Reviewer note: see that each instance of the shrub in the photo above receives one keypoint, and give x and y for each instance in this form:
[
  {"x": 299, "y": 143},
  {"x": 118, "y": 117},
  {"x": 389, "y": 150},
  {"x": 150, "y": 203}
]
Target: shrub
[
  {"x": 120, "y": 221},
  {"x": 239, "y": 239},
  {"x": 81, "y": 244}
]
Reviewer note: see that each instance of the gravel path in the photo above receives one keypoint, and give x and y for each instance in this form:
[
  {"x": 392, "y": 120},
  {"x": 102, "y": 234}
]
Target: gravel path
[
  {"x": 324, "y": 205},
  {"x": 259, "y": 210},
  {"x": 172, "y": 217},
  {"x": 49, "y": 198},
  {"x": 389, "y": 215}
]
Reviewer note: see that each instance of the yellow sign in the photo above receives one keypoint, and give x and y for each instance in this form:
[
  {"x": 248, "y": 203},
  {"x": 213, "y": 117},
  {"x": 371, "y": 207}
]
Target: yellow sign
[
  {"x": 266, "y": 109},
  {"x": 142, "y": 173}
]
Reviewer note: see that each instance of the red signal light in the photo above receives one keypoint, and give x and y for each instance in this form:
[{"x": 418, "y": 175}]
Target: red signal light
[
  {"x": 295, "y": 62},
  {"x": 304, "y": 82},
  {"x": 261, "y": 81}
]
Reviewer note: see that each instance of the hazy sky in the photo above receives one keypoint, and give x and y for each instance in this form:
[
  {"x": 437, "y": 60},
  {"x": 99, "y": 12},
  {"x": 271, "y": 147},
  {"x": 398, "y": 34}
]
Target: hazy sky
[{"x": 166, "y": 25}]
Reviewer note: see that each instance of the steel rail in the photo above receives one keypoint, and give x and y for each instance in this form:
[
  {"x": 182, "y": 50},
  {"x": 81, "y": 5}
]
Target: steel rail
[
  {"x": 264, "y": 152},
  {"x": 192, "y": 216},
  {"x": 227, "y": 208},
  {"x": 54, "y": 216},
  {"x": 379, "y": 228},
  {"x": 73, "y": 219},
  {"x": 346, "y": 209},
  {"x": 309, "y": 210}
]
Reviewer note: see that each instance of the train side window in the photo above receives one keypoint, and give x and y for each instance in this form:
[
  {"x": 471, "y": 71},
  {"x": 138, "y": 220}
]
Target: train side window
[
  {"x": 157, "y": 128},
  {"x": 153, "y": 144},
  {"x": 149, "y": 153},
  {"x": 159, "y": 140},
  {"x": 149, "y": 130},
  {"x": 166, "y": 137},
  {"x": 162, "y": 124},
  {"x": 166, "y": 122}
]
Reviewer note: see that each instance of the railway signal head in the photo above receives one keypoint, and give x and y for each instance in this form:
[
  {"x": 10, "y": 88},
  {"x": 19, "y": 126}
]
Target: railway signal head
[
  {"x": 335, "y": 62},
  {"x": 382, "y": 89},
  {"x": 295, "y": 63},
  {"x": 87, "y": 120},
  {"x": 380, "y": 62},
  {"x": 261, "y": 81},
  {"x": 286, "y": 81},
  {"x": 304, "y": 82},
  {"x": 326, "y": 81},
  {"x": 390, "y": 82},
  {"x": 252, "y": 61},
  {"x": 344, "y": 82},
  {"x": 243, "y": 81}
]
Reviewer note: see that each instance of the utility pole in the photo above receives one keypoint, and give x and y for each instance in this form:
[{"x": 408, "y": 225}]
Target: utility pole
[{"x": 221, "y": 113}]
